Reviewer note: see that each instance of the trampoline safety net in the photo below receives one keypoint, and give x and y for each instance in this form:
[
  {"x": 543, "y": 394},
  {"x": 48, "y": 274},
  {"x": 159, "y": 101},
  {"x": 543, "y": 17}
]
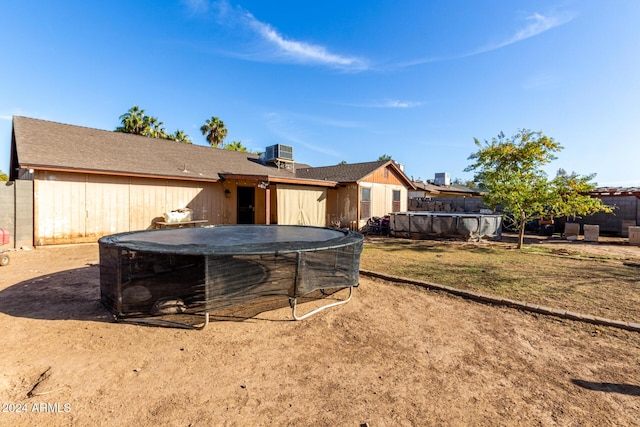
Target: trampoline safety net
[{"x": 139, "y": 277}]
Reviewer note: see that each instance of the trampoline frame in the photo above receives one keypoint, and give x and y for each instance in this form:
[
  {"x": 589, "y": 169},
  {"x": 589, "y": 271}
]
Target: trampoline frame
[{"x": 127, "y": 249}]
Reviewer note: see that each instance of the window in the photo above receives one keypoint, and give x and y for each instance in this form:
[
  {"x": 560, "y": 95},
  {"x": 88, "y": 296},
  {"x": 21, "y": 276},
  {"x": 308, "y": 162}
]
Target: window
[
  {"x": 365, "y": 203},
  {"x": 395, "y": 207}
]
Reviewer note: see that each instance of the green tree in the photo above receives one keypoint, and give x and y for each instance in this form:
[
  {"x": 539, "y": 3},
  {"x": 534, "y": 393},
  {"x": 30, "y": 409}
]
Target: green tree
[
  {"x": 510, "y": 170},
  {"x": 134, "y": 121},
  {"x": 3, "y": 176},
  {"x": 570, "y": 196},
  {"x": 384, "y": 157},
  {"x": 137, "y": 122},
  {"x": 469, "y": 184},
  {"x": 214, "y": 130},
  {"x": 180, "y": 136},
  {"x": 156, "y": 129},
  {"x": 235, "y": 146}
]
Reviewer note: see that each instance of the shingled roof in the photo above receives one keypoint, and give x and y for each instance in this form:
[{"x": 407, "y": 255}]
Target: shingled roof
[
  {"x": 347, "y": 172},
  {"x": 57, "y": 146}
]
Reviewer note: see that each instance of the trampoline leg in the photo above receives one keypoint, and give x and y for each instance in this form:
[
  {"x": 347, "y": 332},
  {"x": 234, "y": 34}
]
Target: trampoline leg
[{"x": 304, "y": 316}]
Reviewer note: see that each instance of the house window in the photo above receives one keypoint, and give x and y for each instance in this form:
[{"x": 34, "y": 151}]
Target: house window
[
  {"x": 395, "y": 207},
  {"x": 365, "y": 203},
  {"x": 386, "y": 173}
]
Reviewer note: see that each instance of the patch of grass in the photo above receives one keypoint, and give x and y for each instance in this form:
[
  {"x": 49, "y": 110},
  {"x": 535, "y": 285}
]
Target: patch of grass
[{"x": 571, "y": 281}]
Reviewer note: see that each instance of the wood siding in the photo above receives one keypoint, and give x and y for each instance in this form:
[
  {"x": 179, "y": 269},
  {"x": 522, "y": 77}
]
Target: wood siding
[
  {"x": 385, "y": 175},
  {"x": 75, "y": 208}
]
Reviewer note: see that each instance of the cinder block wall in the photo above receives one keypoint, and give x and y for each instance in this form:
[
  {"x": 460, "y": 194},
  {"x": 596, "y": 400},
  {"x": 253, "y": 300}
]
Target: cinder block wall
[
  {"x": 16, "y": 212},
  {"x": 627, "y": 212}
]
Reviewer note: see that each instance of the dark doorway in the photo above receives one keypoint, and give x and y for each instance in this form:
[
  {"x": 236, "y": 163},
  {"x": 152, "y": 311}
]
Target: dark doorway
[{"x": 246, "y": 205}]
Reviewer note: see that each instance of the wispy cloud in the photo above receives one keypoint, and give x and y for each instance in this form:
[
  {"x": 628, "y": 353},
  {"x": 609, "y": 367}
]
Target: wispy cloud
[
  {"x": 302, "y": 52},
  {"x": 267, "y": 44},
  {"x": 536, "y": 25},
  {"x": 540, "y": 81},
  {"x": 388, "y": 103},
  {"x": 196, "y": 6}
]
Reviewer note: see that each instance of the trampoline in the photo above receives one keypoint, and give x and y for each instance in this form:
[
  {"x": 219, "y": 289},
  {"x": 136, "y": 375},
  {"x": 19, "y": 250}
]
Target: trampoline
[{"x": 147, "y": 275}]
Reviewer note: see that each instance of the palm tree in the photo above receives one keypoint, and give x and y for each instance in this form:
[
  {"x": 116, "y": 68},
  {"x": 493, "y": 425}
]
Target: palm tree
[
  {"x": 235, "y": 146},
  {"x": 155, "y": 129},
  {"x": 180, "y": 136},
  {"x": 134, "y": 121},
  {"x": 215, "y": 131}
]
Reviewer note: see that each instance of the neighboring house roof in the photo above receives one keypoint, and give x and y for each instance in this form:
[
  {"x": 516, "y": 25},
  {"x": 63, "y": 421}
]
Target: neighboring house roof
[
  {"x": 56, "y": 146},
  {"x": 444, "y": 189},
  {"x": 350, "y": 172},
  {"x": 616, "y": 191}
]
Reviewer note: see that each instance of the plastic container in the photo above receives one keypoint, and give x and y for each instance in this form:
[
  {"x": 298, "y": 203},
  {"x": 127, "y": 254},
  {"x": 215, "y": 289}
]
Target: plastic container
[{"x": 5, "y": 236}]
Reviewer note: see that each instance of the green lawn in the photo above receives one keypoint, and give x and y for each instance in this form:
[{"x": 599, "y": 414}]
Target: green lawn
[{"x": 597, "y": 286}]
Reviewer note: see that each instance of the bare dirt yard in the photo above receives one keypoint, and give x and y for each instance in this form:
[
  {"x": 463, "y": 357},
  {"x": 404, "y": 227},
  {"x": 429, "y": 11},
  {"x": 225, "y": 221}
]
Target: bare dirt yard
[{"x": 394, "y": 355}]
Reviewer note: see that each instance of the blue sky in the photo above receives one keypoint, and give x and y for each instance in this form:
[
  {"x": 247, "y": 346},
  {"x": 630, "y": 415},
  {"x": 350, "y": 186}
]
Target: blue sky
[{"x": 337, "y": 80}]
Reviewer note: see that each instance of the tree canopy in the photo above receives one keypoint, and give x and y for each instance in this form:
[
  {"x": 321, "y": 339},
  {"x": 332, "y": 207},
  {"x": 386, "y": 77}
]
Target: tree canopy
[
  {"x": 510, "y": 170},
  {"x": 214, "y": 130},
  {"x": 180, "y": 136},
  {"x": 385, "y": 157},
  {"x": 3, "y": 176},
  {"x": 137, "y": 122},
  {"x": 237, "y": 146}
]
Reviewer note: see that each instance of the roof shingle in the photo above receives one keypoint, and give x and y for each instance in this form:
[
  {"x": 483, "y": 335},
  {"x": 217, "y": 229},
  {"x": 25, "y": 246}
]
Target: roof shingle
[{"x": 48, "y": 144}]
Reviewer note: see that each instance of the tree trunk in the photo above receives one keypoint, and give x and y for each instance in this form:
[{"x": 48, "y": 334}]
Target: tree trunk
[{"x": 521, "y": 233}]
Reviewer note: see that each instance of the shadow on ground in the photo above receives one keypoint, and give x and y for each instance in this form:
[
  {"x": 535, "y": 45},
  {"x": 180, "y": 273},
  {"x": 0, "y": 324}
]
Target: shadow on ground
[
  {"x": 75, "y": 295},
  {"x": 66, "y": 295},
  {"x": 628, "y": 389}
]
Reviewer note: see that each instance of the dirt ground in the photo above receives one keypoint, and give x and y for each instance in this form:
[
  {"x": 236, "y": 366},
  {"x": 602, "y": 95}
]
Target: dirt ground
[{"x": 393, "y": 356}]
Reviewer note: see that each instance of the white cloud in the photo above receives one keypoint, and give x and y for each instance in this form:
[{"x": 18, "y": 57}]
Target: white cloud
[
  {"x": 537, "y": 24},
  {"x": 267, "y": 44},
  {"x": 301, "y": 51},
  {"x": 388, "y": 103},
  {"x": 196, "y": 6}
]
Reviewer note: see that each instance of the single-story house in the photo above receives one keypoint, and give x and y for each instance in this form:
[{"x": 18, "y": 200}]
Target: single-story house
[
  {"x": 437, "y": 196},
  {"x": 364, "y": 190},
  {"x": 81, "y": 183}
]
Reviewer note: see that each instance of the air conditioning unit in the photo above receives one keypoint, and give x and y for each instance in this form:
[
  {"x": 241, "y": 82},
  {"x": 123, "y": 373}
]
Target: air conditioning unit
[
  {"x": 443, "y": 179},
  {"x": 278, "y": 152}
]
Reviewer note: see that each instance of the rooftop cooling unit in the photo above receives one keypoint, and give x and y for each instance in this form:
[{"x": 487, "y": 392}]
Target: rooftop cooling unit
[
  {"x": 279, "y": 152},
  {"x": 443, "y": 179}
]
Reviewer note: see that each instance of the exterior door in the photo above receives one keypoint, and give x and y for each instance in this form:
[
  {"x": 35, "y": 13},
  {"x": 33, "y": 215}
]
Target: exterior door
[{"x": 246, "y": 205}]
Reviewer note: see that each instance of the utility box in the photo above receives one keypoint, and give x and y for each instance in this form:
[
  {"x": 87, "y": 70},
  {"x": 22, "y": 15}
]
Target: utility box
[{"x": 591, "y": 233}]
